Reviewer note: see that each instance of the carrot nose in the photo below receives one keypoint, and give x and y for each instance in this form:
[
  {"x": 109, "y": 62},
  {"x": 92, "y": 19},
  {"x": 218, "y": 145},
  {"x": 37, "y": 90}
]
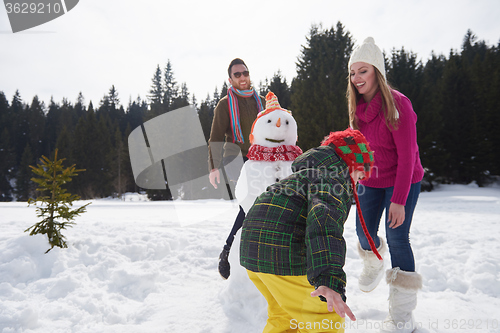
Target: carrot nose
[{"x": 278, "y": 124}]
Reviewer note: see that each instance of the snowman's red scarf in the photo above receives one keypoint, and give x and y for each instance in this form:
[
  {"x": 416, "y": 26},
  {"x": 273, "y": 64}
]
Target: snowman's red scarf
[{"x": 280, "y": 153}]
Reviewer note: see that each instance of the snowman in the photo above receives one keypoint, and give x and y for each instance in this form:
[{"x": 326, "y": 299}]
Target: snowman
[{"x": 270, "y": 157}]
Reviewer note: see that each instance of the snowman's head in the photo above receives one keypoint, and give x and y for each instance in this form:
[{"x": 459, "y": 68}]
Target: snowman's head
[{"x": 274, "y": 126}]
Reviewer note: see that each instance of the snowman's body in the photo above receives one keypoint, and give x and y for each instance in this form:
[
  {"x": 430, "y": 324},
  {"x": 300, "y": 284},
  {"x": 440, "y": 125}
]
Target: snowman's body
[
  {"x": 271, "y": 155},
  {"x": 256, "y": 176}
]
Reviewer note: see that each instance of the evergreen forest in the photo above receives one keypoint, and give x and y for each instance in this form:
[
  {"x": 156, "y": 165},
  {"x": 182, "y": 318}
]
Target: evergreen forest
[{"x": 454, "y": 97}]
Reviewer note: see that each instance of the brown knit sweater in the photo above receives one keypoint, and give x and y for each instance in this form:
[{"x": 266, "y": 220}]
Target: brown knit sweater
[{"x": 222, "y": 131}]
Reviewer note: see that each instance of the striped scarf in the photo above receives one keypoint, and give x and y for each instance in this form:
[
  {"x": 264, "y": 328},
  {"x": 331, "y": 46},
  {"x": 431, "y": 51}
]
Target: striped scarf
[{"x": 234, "y": 111}]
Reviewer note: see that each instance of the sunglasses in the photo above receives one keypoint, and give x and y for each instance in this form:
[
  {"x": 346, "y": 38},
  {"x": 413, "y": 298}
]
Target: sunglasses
[{"x": 238, "y": 74}]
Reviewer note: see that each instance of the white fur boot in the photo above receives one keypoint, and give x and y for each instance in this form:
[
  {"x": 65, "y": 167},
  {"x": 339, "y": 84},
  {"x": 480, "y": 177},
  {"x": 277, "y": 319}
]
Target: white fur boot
[
  {"x": 402, "y": 301},
  {"x": 373, "y": 268}
]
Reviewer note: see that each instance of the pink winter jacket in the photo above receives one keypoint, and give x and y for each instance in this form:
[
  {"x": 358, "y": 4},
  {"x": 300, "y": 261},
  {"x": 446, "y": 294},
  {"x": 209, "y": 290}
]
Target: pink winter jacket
[{"x": 397, "y": 162}]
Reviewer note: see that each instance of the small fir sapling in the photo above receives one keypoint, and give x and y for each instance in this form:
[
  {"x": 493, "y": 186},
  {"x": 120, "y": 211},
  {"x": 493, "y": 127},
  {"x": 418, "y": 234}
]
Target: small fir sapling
[{"x": 55, "y": 201}]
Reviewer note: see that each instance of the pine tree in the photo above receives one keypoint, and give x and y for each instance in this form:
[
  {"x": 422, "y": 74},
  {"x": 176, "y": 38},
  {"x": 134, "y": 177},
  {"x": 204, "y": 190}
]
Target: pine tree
[
  {"x": 156, "y": 91},
  {"x": 7, "y": 163},
  {"x": 476, "y": 57},
  {"x": 36, "y": 126},
  {"x": 194, "y": 102},
  {"x": 19, "y": 128},
  {"x": 223, "y": 92},
  {"x": 263, "y": 87},
  {"x": 79, "y": 107},
  {"x": 5, "y": 115},
  {"x": 64, "y": 144},
  {"x": 24, "y": 184},
  {"x": 170, "y": 101},
  {"x": 92, "y": 149},
  {"x": 55, "y": 202},
  {"x": 216, "y": 98},
  {"x": 80, "y": 155},
  {"x": 136, "y": 113},
  {"x": 52, "y": 125},
  {"x": 181, "y": 100},
  {"x": 103, "y": 157},
  {"x": 171, "y": 90},
  {"x": 404, "y": 73},
  {"x": 113, "y": 98},
  {"x": 156, "y": 95},
  {"x": 492, "y": 108},
  {"x": 119, "y": 155},
  {"x": 67, "y": 116},
  {"x": 430, "y": 120},
  {"x": 206, "y": 115},
  {"x": 104, "y": 107},
  {"x": 318, "y": 101},
  {"x": 115, "y": 110},
  {"x": 280, "y": 88},
  {"x": 458, "y": 96},
  {"x": 128, "y": 174}
]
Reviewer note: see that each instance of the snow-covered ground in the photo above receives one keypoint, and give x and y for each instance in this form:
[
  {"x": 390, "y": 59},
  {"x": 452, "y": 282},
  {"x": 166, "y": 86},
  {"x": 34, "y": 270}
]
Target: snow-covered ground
[{"x": 139, "y": 266}]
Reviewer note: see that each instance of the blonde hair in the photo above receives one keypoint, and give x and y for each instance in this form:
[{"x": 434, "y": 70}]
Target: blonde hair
[{"x": 391, "y": 114}]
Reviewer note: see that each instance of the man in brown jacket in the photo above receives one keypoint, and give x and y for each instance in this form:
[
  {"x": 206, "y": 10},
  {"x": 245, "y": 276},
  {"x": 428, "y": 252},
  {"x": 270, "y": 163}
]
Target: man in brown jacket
[{"x": 232, "y": 124}]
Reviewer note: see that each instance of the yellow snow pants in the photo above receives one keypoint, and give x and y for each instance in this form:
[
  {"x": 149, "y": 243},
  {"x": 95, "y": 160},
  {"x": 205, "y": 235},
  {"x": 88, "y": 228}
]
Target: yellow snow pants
[{"x": 291, "y": 307}]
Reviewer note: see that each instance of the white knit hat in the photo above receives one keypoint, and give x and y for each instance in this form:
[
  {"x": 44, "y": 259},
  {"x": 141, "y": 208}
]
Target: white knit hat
[{"x": 370, "y": 53}]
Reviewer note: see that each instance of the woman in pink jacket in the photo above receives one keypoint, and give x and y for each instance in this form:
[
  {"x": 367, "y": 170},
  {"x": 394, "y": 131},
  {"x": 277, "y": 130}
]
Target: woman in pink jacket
[{"x": 387, "y": 120}]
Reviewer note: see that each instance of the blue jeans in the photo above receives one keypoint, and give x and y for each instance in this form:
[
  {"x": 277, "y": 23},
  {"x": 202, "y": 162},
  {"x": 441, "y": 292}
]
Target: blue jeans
[{"x": 373, "y": 202}]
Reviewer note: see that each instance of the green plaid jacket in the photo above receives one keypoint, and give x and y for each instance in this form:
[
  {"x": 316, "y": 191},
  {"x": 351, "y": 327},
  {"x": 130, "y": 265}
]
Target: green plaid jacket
[{"x": 296, "y": 227}]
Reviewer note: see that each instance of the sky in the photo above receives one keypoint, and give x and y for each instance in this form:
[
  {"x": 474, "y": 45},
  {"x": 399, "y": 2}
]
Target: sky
[{"x": 99, "y": 44}]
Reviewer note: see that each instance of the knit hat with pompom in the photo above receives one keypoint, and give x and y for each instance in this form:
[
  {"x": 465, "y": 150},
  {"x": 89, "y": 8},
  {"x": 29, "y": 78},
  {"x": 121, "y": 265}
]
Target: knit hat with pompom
[
  {"x": 370, "y": 53},
  {"x": 352, "y": 147}
]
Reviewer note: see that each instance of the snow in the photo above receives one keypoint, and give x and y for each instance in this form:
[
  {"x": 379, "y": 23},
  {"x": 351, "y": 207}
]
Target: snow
[{"x": 133, "y": 266}]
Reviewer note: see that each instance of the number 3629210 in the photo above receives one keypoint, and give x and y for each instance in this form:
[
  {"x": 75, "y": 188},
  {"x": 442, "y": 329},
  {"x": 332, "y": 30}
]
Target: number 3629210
[{"x": 32, "y": 8}]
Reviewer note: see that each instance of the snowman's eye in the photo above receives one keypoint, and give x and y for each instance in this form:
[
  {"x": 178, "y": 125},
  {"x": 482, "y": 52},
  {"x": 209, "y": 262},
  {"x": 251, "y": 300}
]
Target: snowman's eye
[
  {"x": 269, "y": 121},
  {"x": 287, "y": 122}
]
